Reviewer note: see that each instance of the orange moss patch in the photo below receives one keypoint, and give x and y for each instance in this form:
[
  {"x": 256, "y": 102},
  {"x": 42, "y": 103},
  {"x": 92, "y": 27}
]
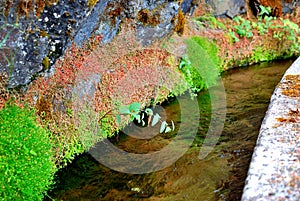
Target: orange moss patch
[
  {"x": 292, "y": 117},
  {"x": 44, "y": 108},
  {"x": 65, "y": 71},
  {"x": 114, "y": 10},
  {"x": 92, "y": 3},
  {"x": 129, "y": 73},
  {"x": 291, "y": 86},
  {"x": 51, "y": 97},
  {"x": 148, "y": 18},
  {"x": 180, "y": 18},
  {"x": 26, "y": 7}
]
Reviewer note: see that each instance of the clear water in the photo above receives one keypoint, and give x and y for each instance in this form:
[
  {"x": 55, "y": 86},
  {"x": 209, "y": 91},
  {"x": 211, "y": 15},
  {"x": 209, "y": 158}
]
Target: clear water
[{"x": 220, "y": 176}]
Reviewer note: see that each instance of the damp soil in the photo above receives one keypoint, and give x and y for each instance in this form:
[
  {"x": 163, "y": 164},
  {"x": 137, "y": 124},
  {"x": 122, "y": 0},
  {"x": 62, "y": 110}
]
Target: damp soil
[{"x": 220, "y": 176}]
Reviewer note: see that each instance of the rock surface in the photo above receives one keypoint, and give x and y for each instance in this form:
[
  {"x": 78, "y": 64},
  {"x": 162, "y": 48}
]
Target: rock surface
[
  {"x": 274, "y": 172},
  {"x": 231, "y": 8},
  {"x": 227, "y": 7},
  {"x": 33, "y": 38}
]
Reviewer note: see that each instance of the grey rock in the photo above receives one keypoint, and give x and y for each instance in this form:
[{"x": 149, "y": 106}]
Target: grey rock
[
  {"x": 186, "y": 5},
  {"x": 91, "y": 23},
  {"x": 290, "y": 7},
  {"x": 35, "y": 40},
  {"x": 132, "y": 8},
  {"x": 148, "y": 33},
  {"x": 230, "y": 8}
]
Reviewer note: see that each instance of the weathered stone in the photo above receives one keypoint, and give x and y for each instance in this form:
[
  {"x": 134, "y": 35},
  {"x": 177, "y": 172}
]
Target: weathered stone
[
  {"x": 275, "y": 166},
  {"x": 229, "y": 8},
  {"x": 40, "y": 39},
  {"x": 147, "y": 33},
  {"x": 42, "y": 36},
  {"x": 290, "y": 7}
]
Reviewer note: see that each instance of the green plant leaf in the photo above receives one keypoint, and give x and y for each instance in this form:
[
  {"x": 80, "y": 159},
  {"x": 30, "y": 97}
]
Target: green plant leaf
[
  {"x": 149, "y": 112},
  {"x": 168, "y": 129},
  {"x": 163, "y": 126},
  {"x": 173, "y": 126},
  {"x": 118, "y": 119},
  {"x": 137, "y": 117},
  {"x": 155, "y": 119},
  {"x": 264, "y": 10},
  {"x": 241, "y": 32},
  {"x": 134, "y": 107},
  {"x": 236, "y": 19},
  {"x": 124, "y": 109}
]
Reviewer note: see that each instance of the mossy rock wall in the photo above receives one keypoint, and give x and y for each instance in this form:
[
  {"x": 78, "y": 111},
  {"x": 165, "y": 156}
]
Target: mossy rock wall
[{"x": 35, "y": 34}]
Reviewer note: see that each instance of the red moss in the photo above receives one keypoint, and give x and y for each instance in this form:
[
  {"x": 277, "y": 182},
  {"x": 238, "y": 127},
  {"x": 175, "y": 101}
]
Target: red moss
[
  {"x": 139, "y": 76},
  {"x": 65, "y": 72}
]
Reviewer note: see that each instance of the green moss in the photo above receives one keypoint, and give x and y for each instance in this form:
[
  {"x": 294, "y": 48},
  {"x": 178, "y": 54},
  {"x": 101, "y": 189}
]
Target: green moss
[
  {"x": 203, "y": 57},
  {"x": 210, "y": 48},
  {"x": 46, "y": 62},
  {"x": 260, "y": 55},
  {"x": 211, "y": 21},
  {"x": 26, "y": 157}
]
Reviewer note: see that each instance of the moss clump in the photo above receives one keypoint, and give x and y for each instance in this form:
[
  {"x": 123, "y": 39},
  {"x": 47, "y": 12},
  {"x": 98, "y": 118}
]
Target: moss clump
[
  {"x": 44, "y": 108},
  {"x": 44, "y": 34},
  {"x": 148, "y": 18},
  {"x": 180, "y": 18},
  {"x": 26, "y": 158},
  {"x": 115, "y": 13},
  {"x": 3, "y": 91},
  {"x": 46, "y": 62},
  {"x": 210, "y": 48},
  {"x": 202, "y": 55},
  {"x": 92, "y": 3},
  {"x": 25, "y": 7}
]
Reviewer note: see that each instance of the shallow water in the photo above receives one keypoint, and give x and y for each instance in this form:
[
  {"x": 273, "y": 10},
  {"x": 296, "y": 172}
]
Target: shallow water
[{"x": 220, "y": 176}]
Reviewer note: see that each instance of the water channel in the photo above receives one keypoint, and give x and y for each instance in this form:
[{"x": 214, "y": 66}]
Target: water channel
[{"x": 220, "y": 176}]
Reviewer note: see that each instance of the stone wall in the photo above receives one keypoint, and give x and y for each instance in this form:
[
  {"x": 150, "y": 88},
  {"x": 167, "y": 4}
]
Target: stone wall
[
  {"x": 275, "y": 166},
  {"x": 35, "y": 35}
]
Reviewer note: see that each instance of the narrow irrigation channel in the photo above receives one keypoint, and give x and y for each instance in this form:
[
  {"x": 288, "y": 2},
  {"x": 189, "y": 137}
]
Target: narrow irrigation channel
[{"x": 220, "y": 176}]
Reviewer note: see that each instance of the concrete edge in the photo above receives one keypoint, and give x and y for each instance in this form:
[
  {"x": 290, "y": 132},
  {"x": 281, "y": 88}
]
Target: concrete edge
[{"x": 274, "y": 172}]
